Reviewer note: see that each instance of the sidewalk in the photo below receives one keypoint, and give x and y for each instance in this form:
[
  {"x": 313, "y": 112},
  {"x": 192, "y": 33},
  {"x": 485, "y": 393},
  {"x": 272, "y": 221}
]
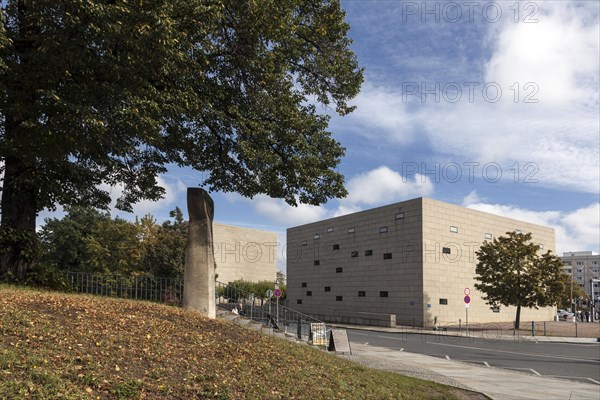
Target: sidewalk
[{"x": 495, "y": 383}]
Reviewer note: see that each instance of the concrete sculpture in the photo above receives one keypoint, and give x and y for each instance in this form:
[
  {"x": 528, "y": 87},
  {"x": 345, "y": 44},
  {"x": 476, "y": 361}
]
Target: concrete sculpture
[{"x": 199, "y": 277}]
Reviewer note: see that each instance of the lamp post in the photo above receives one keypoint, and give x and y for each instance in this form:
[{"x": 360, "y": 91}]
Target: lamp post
[{"x": 572, "y": 273}]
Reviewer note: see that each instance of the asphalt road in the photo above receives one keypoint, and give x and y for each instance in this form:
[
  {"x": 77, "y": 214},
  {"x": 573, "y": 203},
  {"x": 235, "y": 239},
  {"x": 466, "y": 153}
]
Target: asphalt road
[{"x": 576, "y": 362}]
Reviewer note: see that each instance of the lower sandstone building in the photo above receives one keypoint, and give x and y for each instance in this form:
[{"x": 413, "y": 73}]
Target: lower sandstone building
[
  {"x": 244, "y": 253},
  {"x": 407, "y": 263}
]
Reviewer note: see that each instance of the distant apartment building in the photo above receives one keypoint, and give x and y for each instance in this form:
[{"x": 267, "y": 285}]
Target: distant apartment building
[
  {"x": 244, "y": 253},
  {"x": 585, "y": 267},
  {"x": 406, "y": 263}
]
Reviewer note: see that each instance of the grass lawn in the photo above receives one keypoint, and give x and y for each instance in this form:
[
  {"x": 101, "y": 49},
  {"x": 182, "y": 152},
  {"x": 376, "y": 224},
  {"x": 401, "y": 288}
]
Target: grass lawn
[{"x": 55, "y": 345}]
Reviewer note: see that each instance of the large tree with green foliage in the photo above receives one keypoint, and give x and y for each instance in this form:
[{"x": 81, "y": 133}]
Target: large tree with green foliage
[
  {"x": 165, "y": 250},
  {"x": 111, "y": 92},
  {"x": 511, "y": 272},
  {"x": 65, "y": 241}
]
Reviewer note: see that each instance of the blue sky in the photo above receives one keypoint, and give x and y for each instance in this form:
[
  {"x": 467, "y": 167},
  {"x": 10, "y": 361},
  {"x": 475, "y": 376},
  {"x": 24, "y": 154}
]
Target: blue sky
[{"x": 514, "y": 130}]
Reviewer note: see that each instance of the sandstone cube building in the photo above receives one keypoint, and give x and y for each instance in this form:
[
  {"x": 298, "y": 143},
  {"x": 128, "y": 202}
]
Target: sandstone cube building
[
  {"x": 407, "y": 263},
  {"x": 244, "y": 253}
]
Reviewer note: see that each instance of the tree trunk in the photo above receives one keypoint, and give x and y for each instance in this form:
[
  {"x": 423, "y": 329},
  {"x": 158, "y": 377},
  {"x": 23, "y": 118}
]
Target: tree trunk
[
  {"x": 518, "y": 318},
  {"x": 18, "y": 221},
  {"x": 19, "y": 194}
]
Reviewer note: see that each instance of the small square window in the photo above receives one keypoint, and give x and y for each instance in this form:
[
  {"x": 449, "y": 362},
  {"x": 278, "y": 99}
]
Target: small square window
[
  {"x": 488, "y": 236},
  {"x": 354, "y": 254},
  {"x": 383, "y": 229},
  {"x": 338, "y": 270},
  {"x": 317, "y": 262},
  {"x": 446, "y": 250},
  {"x": 317, "y": 236},
  {"x": 444, "y": 302},
  {"x": 299, "y": 301},
  {"x": 387, "y": 256},
  {"x": 368, "y": 252},
  {"x": 350, "y": 230},
  {"x": 330, "y": 229},
  {"x": 400, "y": 215},
  {"x": 336, "y": 246},
  {"x": 303, "y": 284},
  {"x": 383, "y": 294},
  {"x": 361, "y": 293},
  {"x": 328, "y": 288},
  {"x": 304, "y": 243},
  {"x": 338, "y": 298},
  {"x": 453, "y": 229},
  {"x": 309, "y": 293}
]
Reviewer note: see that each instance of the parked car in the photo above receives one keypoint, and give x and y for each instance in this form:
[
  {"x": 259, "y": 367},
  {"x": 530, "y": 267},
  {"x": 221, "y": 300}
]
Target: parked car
[{"x": 563, "y": 315}]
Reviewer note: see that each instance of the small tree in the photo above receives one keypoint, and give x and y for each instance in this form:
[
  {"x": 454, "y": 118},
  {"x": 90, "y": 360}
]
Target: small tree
[
  {"x": 567, "y": 296},
  {"x": 511, "y": 273}
]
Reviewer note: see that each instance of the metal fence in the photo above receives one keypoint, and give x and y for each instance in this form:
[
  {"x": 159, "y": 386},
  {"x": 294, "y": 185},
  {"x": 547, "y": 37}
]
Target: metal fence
[
  {"x": 270, "y": 313},
  {"x": 164, "y": 290}
]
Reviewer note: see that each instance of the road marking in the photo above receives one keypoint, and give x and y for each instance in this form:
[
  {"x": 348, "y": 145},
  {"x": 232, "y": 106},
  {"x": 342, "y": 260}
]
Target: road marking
[
  {"x": 575, "y": 378},
  {"x": 366, "y": 342},
  {"x": 448, "y": 358},
  {"x": 390, "y": 337},
  {"x": 517, "y": 352},
  {"x": 474, "y": 362},
  {"x": 402, "y": 349},
  {"x": 525, "y": 369}
]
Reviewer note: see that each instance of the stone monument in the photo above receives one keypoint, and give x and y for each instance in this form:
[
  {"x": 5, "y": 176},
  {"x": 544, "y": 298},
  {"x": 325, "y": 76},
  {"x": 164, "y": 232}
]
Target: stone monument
[{"x": 199, "y": 276}]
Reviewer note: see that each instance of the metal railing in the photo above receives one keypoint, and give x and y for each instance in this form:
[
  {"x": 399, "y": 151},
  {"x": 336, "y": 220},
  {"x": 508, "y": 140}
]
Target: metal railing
[
  {"x": 270, "y": 313},
  {"x": 164, "y": 290}
]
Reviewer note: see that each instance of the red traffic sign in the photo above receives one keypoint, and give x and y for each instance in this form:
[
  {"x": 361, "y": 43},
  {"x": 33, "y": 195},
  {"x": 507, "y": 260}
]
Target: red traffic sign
[
  {"x": 467, "y": 299},
  {"x": 277, "y": 293},
  {"x": 467, "y": 291}
]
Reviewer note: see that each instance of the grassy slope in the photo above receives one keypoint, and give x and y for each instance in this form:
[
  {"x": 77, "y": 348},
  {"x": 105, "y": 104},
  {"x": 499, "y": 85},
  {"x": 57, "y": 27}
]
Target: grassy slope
[{"x": 54, "y": 345}]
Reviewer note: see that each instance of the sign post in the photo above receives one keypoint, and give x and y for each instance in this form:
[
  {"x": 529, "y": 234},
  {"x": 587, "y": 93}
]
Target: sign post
[
  {"x": 277, "y": 293},
  {"x": 269, "y": 295},
  {"x": 467, "y": 300}
]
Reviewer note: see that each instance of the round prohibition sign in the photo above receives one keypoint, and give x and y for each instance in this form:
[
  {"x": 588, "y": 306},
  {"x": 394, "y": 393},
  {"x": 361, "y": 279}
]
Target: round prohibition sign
[
  {"x": 277, "y": 293},
  {"x": 467, "y": 299},
  {"x": 467, "y": 291}
]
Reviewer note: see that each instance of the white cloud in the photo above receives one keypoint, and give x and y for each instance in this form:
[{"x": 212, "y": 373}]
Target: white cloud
[
  {"x": 471, "y": 198},
  {"x": 383, "y": 185},
  {"x": 559, "y": 53},
  {"x": 282, "y": 213},
  {"x": 557, "y": 136},
  {"x": 381, "y": 112},
  {"x": 379, "y": 186},
  {"x": 577, "y": 230}
]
